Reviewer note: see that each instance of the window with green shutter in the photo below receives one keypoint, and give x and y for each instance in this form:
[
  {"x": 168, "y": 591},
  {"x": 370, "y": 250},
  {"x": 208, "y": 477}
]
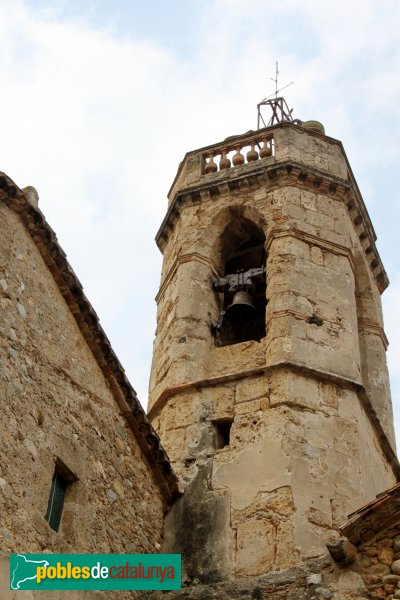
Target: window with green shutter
[
  {"x": 62, "y": 479},
  {"x": 56, "y": 501}
]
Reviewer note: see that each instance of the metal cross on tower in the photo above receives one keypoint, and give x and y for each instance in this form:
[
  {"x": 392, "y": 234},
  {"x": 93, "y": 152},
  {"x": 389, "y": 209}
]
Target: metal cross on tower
[{"x": 279, "y": 108}]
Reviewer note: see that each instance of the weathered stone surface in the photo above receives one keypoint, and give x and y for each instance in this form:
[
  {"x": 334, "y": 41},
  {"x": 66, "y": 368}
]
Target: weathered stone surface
[
  {"x": 255, "y": 547},
  {"x": 251, "y": 388},
  {"x": 395, "y": 567},
  {"x": 314, "y": 579},
  {"x": 301, "y": 452},
  {"x": 342, "y": 551},
  {"x": 57, "y": 407},
  {"x": 223, "y": 402},
  {"x": 386, "y": 555},
  {"x": 323, "y": 593},
  {"x": 396, "y": 543},
  {"x": 392, "y": 579},
  {"x": 379, "y": 569},
  {"x": 269, "y": 436},
  {"x": 197, "y": 527}
]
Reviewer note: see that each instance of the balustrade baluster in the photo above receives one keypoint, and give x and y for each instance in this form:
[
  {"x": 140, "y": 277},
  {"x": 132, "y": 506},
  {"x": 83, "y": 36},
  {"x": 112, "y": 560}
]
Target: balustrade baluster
[
  {"x": 224, "y": 163},
  {"x": 217, "y": 159},
  {"x": 252, "y": 154},
  {"x": 266, "y": 150},
  {"x": 211, "y": 166},
  {"x": 238, "y": 158}
]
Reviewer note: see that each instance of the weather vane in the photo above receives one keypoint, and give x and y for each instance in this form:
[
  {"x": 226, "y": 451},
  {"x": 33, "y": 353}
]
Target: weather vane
[{"x": 280, "y": 110}]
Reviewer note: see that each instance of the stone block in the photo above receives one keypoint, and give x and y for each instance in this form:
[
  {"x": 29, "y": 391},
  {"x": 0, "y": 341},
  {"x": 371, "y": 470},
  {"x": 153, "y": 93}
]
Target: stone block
[
  {"x": 391, "y": 579},
  {"x": 173, "y": 441},
  {"x": 255, "y": 543},
  {"x": 317, "y": 256},
  {"x": 229, "y": 359},
  {"x": 222, "y": 401},
  {"x": 319, "y": 518},
  {"x": 276, "y": 505},
  {"x": 386, "y": 556},
  {"x": 179, "y": 411},
  {"x": 287, "y": 552},
  {"x": 288, "y": 387},
  {"x": 396, "y": 543},
  {"x": 251, "y": 406},
  {"x": 328, "y": 394},
  {"x": 251, "y": 388}
]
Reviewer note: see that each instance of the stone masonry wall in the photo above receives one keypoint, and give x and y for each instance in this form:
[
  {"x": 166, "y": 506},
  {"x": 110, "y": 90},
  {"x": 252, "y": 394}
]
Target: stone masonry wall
[
  {"x": 311, "y": 270},
  {"x": 299, "y": 460},
  {"x": 379, "y": 562},
  {"x": 56, "y": 404},
  {"x": 309, "y": 404},
  {"x": 317, "y": 257},
  {"x": 316, "y": 580}
]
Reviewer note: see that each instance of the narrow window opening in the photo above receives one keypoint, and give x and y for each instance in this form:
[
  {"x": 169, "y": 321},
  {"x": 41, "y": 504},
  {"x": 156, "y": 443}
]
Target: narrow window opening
[
  {"x": 61, "y": 480},
  {"x": 222, "y": 430},
  {"x": 243, "y": 287}
]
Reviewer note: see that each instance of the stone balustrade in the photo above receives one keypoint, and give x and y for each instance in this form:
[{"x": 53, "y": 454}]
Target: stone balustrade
[{"x": 237, "y": 152}]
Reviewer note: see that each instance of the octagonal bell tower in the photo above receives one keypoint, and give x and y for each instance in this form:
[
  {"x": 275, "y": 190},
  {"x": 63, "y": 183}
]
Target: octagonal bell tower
[{"x": 269, "y": 385}]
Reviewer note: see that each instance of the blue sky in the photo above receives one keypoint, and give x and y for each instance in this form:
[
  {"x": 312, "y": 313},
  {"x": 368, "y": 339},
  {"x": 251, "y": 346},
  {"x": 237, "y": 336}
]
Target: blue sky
[{"x": 96, "y": 95}]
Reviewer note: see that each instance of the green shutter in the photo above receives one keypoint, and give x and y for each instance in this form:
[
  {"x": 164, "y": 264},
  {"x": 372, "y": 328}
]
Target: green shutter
[{"x": 56, "y": 501}]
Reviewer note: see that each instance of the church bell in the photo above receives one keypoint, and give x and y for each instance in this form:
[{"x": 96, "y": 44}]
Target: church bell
[{"x": 241, "y": 309}]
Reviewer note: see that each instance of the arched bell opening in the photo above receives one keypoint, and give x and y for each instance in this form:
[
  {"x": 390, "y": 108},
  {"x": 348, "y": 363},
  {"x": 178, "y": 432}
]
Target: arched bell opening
[{"x": 242, "y": 287}]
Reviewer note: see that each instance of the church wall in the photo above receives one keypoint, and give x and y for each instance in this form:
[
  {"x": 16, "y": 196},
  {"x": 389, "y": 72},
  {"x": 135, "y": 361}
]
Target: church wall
[{"x": 57, "y": 405}]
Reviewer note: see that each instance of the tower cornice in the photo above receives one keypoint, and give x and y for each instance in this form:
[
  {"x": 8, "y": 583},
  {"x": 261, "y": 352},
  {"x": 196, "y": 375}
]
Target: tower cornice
[
  {"x": 320, "y": 374},
  {"x": 272, "y": 173}
]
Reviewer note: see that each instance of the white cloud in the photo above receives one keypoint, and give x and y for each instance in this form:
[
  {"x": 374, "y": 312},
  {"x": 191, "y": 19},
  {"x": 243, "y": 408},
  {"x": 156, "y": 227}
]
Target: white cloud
[{"x": 98, "y": 123}]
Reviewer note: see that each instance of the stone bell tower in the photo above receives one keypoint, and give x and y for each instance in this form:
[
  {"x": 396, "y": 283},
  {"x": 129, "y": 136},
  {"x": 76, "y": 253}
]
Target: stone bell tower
[{"x": 269, "y": 384}]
